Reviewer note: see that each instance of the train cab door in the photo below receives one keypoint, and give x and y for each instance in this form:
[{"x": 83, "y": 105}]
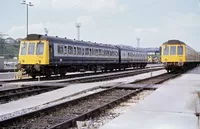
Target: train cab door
[
  {"x": 119, "y": 54},
  {"x": 50, "y": 52}
]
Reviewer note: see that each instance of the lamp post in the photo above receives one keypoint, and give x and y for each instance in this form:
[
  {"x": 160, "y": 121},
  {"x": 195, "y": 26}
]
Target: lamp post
[
  {"x": 78, "y": 26},
  {"x": 27, "y": 5},
  {"x": 46, "y": 31}
]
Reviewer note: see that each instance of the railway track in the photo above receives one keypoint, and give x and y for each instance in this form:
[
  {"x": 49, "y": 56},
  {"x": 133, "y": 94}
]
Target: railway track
[
  {"x": 157, "y": 79},
  {"x": 66, "y": 114},
  {"x": 19, "y": 93},
  {"x": 28, "y": 90},
  {"x": 106, "y": 77},
  {"x": 66, "y": 76}
]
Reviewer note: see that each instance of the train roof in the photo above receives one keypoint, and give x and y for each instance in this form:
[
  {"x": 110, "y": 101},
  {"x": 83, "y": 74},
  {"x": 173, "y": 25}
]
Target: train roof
[
  {"x": 127, "y": 47},
  {"x": 57, "y": 39},
  {"x": 64, "y": 40},
  {"x": 178, "y": 42},
  {"x": 174, "y": 42}
]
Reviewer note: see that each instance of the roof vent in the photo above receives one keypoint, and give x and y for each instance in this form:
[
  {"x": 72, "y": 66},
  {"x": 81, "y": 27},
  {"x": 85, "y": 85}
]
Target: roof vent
[
  {"x": 45, "y": 34},
  {"x": 56, "y": 36},
  {"x": 65, "y": 37}
]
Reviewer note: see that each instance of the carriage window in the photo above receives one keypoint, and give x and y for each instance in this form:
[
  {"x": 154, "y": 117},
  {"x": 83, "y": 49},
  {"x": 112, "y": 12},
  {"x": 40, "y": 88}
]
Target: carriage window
[
  {"x": 105, "y": 52},
  {"x": 40, "y": 48},
  {"x": 70, "y": 50},
  {"x": 99, "y": 52},
  {"x": 31, "y": 48},
  {"x": 60, "y": 49},
  {"x": 74, "y": 50},
  {"x": 90, "y": 52},
  {"x": 23, "y": 49},
  {"x": 166, "y": 50},
  {"x": 83, "y": 51},
  {"x": 116, "y": 53},
  {"x": 130, "y": 54},
  {"x": 96, "y": 52},
  {"x": 78, "y": 51},
  {"x": 180, "y": 50},
  {"x": 87, "y": 51},
  {"x": 111, "y": 53},
  {"x": 173, "y": 50},
  {"x": 66, "y": 49}
]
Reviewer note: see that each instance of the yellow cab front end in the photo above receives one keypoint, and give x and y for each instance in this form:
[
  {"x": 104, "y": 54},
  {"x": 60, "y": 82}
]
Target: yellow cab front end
[
  {"x": 173, "y": 55},
  {"x": 33, "y": 56}
]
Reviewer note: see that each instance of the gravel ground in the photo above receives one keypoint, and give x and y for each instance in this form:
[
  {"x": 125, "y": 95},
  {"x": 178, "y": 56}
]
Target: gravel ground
[
  {"x": 111, "y": 114},
  {"x": 65, "y": 99},
  {"x": 67, "y": 112}
]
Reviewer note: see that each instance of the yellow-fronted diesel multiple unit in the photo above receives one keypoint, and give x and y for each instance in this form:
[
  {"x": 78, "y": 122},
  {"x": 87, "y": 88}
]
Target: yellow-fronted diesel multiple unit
[
  {"x": 33, "y": 54},
  {"x": 176, "y": 54},
  {"x": 43, "y": 55}
]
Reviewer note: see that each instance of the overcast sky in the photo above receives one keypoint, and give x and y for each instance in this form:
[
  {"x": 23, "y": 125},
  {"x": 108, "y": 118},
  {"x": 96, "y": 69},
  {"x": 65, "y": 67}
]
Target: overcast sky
[{"x": 107, "y": 21}]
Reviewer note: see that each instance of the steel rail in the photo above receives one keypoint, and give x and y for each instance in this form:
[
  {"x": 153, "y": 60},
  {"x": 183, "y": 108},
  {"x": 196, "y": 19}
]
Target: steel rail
[{"x": 18, "y": 93}]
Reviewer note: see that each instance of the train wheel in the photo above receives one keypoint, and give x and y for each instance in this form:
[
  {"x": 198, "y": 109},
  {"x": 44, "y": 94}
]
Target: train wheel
[
  {"x": 62, "y": 75},
  {"x": 33, "y": 76},
  {"x": 48, "y": 75}
]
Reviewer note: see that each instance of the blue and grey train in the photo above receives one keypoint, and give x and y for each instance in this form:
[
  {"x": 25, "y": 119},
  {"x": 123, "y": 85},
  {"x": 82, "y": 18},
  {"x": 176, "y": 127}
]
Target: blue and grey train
[{"x": 48, "y": 55}]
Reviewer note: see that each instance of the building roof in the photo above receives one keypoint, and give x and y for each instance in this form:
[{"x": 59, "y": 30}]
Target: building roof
[{"x": 9, "y": 38}]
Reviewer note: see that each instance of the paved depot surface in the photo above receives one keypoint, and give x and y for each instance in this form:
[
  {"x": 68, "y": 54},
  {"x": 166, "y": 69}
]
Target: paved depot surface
[
  {"x": 60, "y": 93},
  {"x": 172, "y": 106}
]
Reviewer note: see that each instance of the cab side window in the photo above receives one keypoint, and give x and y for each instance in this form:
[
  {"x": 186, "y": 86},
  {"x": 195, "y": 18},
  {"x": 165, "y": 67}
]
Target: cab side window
[
  {"x": 180, "y": 50},
  {"x": 23, "y": 48},
  {"x": 166, "y": 50},
  {"x": 40, "y": 49}
]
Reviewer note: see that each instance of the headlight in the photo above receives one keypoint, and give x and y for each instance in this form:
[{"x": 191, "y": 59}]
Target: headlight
[{"x": 180, "y": 63}]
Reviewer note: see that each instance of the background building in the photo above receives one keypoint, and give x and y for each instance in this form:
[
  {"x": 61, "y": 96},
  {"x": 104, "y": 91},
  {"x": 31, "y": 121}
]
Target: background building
[
  {"x": 1, "y": 62},
  {"x": 10, "y": 40}
]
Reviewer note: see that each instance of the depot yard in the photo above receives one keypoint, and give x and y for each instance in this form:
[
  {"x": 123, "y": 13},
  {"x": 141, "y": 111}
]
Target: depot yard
[{"x": 167, "y": 97}]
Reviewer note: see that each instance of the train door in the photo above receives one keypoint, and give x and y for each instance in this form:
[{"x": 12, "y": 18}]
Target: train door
[
  {"x": 51, "y": 51},
  {"x": 119, "y": 55}
]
